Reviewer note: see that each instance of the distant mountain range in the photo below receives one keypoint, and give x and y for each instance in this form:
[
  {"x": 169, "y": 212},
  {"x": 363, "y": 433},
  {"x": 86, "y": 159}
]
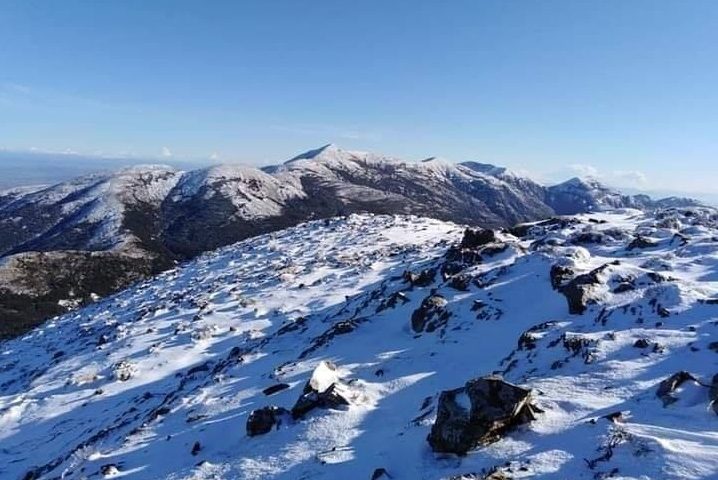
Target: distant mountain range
[{"x": 64, "y": 245}]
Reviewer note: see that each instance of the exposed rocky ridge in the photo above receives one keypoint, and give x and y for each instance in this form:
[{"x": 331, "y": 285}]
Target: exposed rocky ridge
[
  {"x": 160, "y": 381},
  {"x": 145, "y": 219}
]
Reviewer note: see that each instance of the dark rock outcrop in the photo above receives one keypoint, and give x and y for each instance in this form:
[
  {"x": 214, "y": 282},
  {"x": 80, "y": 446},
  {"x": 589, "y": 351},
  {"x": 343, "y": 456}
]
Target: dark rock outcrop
[
  {"x": 422, "y": 279},
  {"x": 479, "y": 413},
  {"x": 262, "y": 420},
  {"x": 310, "y": 399},
  {"x": 477, "y": 237},
  {"x": 668, "y": 386},
  {"x": 640, "y": 243},
  {"x": 380, "y": 474},
  {"x": 578, "y": 291},
  {"x": 432, "y": 314},
  {"x": 271, "y": 390}
]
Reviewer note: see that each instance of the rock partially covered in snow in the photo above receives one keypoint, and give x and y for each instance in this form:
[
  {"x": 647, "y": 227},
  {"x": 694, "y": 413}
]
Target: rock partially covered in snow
[
  {"x": 324, "y": 376},
  {"x": 479, "y": 413},
  {"x": 323, "y": 390},
  {"x": 431, "y": 315},
  {"x": 667, "y": 387}
]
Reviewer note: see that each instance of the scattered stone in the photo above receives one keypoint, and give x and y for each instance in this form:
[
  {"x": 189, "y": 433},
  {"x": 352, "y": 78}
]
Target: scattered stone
[
  {"x": 479, "y": 413},
  {"x": 668, "y": 386},
  {"x": 624, "y": 287},
  {"x": 615, "y": 417},
  {"x": 477, "y": 305},
  {"x": 641, "y": 242},
  {"x": 527, "y": 340},
  {"x": 196, "y": 448},
  {"x": 641, "y": 343},
  {"x": 494, "y": 474},
  {"x": 460, "y": 282},
  {"x": 271, "y": 390},
  {"x": 123, "y": 370},
  {"x": 109, "y": 470},
  {"x": 431, "y": 315},
  {"x": 713, "y": 392},
  {"x": 262, "y": 420},
  {"x": 559, "y": 274},
  {"x": 680, "y": 239},
  {"x": 392, "y": 301},
  {"x": 422, "y": 279},
  {"x": 494, "y": 249},
  {"x": 380, "y": 473},
  {"x": 588, "y": 238}
]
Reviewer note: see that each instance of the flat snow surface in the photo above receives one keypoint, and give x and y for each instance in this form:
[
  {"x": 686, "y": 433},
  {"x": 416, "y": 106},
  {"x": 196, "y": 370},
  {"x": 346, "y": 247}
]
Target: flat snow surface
[{"x": 126, "y": 387}]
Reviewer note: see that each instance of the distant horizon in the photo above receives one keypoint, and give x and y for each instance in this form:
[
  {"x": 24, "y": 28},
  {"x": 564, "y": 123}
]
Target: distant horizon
[
  {"x": 622, "y": 91},
  {"x": 40, "y": 168}
]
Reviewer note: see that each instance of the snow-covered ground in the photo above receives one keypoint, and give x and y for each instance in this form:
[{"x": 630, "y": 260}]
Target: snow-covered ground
[{"x": 158, "y": 381}]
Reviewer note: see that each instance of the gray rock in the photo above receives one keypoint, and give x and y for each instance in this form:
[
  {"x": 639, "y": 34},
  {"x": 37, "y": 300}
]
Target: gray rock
[
  {"x": 262, "y": 420},
  {"x": 432, "y": 314},
  {"x": 479, "y": 413}
]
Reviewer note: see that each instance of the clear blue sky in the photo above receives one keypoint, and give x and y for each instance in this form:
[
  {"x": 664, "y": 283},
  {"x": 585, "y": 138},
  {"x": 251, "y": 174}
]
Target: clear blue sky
[{"x": 624, "y": 89}]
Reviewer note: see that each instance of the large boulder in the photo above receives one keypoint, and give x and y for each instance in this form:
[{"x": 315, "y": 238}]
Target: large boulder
[
  {"x": 431, "y": 314},
  {"x": 581, "y": 291},
  {"x": 479, "y": 413}
]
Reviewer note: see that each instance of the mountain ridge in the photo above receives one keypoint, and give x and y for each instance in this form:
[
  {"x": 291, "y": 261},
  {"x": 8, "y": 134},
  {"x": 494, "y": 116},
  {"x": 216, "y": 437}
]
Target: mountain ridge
[{"x": 147, "y": 218}]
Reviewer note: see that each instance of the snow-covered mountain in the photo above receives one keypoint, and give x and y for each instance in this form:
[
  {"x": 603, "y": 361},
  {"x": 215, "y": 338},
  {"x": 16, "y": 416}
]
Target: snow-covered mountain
[
  {"x": 322, "y": 351},
  {"x": 66, "y": 244},
  {"x": 579, "y": 195}
]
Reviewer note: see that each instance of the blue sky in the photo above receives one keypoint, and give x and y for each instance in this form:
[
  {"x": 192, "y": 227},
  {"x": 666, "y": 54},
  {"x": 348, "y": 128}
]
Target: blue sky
[{"x": 625, "y": 90}]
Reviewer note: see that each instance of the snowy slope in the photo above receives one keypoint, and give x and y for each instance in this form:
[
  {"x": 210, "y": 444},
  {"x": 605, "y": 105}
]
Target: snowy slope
[
  {"x": 158, "y": 381},
  {"x": 87, "y": 213}
]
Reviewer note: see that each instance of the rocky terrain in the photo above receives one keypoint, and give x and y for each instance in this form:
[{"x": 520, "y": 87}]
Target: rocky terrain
[
  {"x": 104, "y": 232},
  {"x": 388, "y": 347}
]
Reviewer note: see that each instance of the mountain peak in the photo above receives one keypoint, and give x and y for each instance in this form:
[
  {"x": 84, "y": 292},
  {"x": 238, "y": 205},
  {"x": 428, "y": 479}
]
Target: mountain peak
[
  {"x": 485, "y": 168},
  {"x": 588, "y": 183},
  {"x": 328, "y": 150}
]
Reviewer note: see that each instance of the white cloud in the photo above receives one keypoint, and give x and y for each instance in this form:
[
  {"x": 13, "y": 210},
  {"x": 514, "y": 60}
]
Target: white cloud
[
  {"x": 631, "y": 176},
  {"x": 583, "y": 170},
  {"x": 214, "y": 156},
  {"x": 166, "y": 152},
  {"x": 618, "y": 178}
]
